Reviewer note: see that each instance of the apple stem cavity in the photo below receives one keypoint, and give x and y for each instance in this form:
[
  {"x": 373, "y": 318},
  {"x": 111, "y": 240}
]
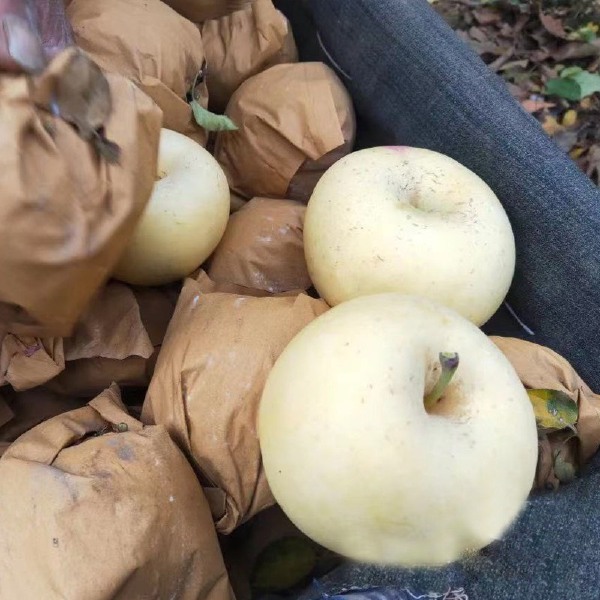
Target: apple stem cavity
[{"x": 449, "y": 362}]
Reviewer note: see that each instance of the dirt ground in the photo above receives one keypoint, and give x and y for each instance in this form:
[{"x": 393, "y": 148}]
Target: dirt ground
[{"x": 548, "y": 52}]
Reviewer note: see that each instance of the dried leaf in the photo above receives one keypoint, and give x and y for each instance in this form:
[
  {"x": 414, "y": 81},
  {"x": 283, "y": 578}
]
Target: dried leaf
[
  {"x": 533, "y": 105},
  {"x": 485, "y": 16},
  {"x": 553, "y": 409},
  {"x": 575, "y": 50},
  {"x": 570, "y": 118},
  {"x": 82, "y": 95},
  {"x": 551, "y": 126},
  {"x": 577, "y": 152},
  {"x": 108, "y": 150},
  {"x": 553, "y": 25}
]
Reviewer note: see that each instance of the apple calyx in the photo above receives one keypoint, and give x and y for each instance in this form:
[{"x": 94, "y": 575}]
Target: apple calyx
[{"x": 449, "y": 362}]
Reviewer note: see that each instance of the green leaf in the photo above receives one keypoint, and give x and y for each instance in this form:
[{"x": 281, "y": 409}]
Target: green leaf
[
  {"x": 553, "y": 409},
  {"x": 574, "y": 84},
  {"x": 588, "y": 82},
  {"x": 283, "y": 565},
  {"x": 570, "y": 71},
  {"x": 210, "y": 121},
  {"x": 565, "y": 88}
]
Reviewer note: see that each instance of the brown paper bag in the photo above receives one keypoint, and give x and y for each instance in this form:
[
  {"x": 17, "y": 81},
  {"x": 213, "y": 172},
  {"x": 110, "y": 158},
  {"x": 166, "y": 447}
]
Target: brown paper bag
[
  {"x": 292, "y": 118},
  {"x": 117, "y": 341},
  {"x": 203, "y": 10},
  {"x": 208, "y": 286},
  {"x": 26, "y": 362},
  {"x": 243, "y": 44},
  {"x": 209, "y": 377},
  {"x": 539, "y": 367},
  {"x": 160, "y": 51},
  {"x": 66, "y": 214},
  {"x": 263, "y": 247},
  {"x": 30, "y": 408},
  {"x": 93, "y": 505}
]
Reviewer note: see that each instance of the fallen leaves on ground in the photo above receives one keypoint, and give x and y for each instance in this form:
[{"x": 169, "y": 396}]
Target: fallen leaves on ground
[{"x": 548, "y": 52}]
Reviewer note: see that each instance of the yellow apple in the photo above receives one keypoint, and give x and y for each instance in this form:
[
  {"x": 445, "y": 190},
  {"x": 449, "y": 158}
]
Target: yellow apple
[
  {"x": 184, "y": 219},
  {"x": 361, "y": 465},
  {"x": 400, "y": 219}
]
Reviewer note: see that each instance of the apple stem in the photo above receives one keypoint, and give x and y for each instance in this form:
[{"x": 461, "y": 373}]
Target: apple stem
[{"x": 449, "y": 362}]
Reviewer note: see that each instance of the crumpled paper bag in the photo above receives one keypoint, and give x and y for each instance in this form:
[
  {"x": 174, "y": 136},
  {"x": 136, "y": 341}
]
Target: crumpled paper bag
[
  {"x": 94, "y": 505},
  {"x": 66, "y": 214},
  {"x": 203, "y": 10},
  {"x": 26, "y": 362},
  {"x": 206, "y": 388},
  {"x": 294, "y": 121},
  {"x": 539, "y": 367},
  {"x": 25, "y": 410},
  {"x": 208, "y": 286},
  {"x": 116, "y": 340},
  {"x": 263, "y": 247},
  {"x": 243, "y": 44},
  {"x": 148, "y": 42}
]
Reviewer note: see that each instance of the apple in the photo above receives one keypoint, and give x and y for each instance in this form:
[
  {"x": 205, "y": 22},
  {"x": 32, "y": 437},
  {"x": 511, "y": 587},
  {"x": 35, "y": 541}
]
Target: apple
[
  {"x": 184, "y": 219},
  {"x": 376, "y": 452},
  {"x": 400, "y": 219}
]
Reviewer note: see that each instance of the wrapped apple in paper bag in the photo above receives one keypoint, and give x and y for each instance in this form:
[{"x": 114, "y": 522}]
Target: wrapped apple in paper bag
[
  {"x": 74, "y": 186},
  {"x": 107, "y": 510},
  {"x": 24, "y": 410},
  {"x": 203, "y": 10},
  {"x": 263, "y": 248},
  {"x": 294, "y": 121},
  {"x": 207, "y": 384},
  {"x": 410, "y": 220},
  {"x": 148, "y": 42},
  {"x": 243, "y": 44},
  {"x": 566, "y": 409},
  {"x": 416, "y": 396},
  {"x": 184, "y": 220}
]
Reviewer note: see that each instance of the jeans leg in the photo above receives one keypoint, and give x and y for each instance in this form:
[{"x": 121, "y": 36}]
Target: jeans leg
[{"x": 414, "y": 82}]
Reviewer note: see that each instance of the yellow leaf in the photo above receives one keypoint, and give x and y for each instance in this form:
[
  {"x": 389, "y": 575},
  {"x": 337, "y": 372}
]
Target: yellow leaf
[
  {"x": 570, "y": 118},
  {"x": 551, "y": 126},
  {"x": 553, "y": 409},
  {"x": 576, "y": 153}
]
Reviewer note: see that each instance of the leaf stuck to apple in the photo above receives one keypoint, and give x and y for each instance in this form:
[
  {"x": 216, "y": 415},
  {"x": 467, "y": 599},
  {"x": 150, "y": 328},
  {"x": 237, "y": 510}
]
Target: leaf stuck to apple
[{"x": 449, "y": 362}]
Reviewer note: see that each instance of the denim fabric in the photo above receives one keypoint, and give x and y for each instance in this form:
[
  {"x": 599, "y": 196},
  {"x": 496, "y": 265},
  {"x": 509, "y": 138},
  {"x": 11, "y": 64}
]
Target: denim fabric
[{"x": 415, "y": 82}]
